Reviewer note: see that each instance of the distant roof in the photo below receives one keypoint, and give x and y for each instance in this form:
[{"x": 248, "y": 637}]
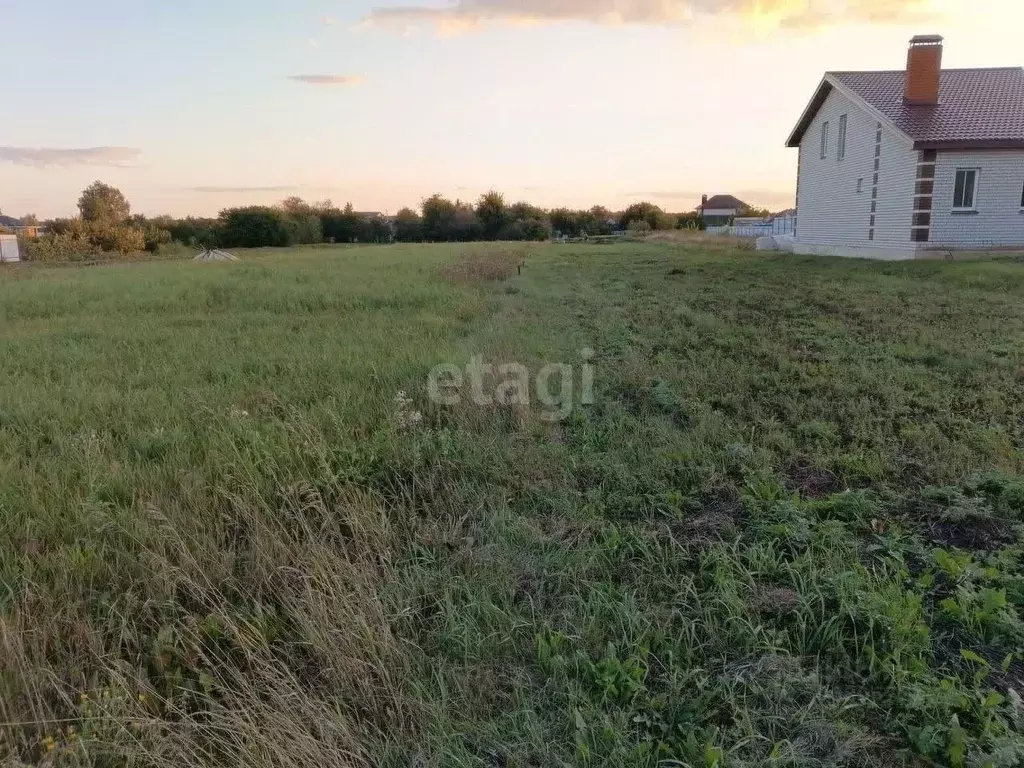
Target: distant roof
[
  {"x": 725, "y": 201},
  {"x": 977, "y": 109},
  {"x": 7, "y": 221}
]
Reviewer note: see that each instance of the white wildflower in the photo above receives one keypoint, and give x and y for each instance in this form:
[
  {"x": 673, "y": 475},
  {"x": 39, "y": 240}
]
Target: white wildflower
[{"x": 406, "y": 416}]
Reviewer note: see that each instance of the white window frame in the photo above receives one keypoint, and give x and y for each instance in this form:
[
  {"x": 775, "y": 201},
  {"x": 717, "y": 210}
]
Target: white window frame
[
  {"x": 824, "y": 140},
  {"x": 841, "y": 148},
  {"x": 974, "y": 190}
]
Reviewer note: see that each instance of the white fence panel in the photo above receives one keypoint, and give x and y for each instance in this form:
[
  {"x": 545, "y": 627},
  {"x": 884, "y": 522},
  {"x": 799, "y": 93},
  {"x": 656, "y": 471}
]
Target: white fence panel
[
  {"x": 784, "y": 225},
  {"x": 9, "y": 248}
]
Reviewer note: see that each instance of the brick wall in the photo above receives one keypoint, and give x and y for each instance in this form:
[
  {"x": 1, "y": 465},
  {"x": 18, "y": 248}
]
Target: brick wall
[{"x": 998, "y": 221}]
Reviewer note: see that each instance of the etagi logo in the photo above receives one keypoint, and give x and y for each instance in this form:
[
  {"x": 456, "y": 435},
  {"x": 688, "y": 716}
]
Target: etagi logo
[{"x": 505, "y": 384}]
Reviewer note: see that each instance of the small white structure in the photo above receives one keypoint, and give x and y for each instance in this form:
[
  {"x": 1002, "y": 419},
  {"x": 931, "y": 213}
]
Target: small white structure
[
  {"x": 215, "y": 255},
  {"x": 894, "y": 164},
  {"x": 9, "y": 248}
]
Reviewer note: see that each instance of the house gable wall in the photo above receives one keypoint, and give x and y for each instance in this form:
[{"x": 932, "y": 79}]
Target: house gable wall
[{"x": 830, "y": 210}]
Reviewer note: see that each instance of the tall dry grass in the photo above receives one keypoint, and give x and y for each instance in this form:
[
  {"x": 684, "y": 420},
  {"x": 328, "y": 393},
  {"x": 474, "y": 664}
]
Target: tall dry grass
[
  {"x": 485, "y": 263},
  {"x": 700, "y": 240},
  {"x": 307, "y": 674}
]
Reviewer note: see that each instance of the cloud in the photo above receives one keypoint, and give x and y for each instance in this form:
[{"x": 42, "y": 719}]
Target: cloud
[
  {"x": 468, "y": 14},
  {"x": 43, "y": 157},
  {"x": 244, "y": 190},
  {"x": 327, "y": 79}
]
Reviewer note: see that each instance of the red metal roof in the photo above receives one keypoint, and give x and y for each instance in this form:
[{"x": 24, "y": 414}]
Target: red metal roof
[{"x": 978, "y": 108}]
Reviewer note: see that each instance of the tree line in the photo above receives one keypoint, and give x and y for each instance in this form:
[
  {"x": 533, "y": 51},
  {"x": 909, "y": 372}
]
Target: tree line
[{"x": 106, "y": 224}]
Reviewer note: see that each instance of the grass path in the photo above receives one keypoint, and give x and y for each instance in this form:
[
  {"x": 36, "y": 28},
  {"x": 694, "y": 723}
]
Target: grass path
[{"x": 787, "y": 532}]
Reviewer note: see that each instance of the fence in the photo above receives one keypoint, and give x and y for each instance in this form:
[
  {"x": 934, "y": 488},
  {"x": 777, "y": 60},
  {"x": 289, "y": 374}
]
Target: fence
[{"x": 782, "y": 225}]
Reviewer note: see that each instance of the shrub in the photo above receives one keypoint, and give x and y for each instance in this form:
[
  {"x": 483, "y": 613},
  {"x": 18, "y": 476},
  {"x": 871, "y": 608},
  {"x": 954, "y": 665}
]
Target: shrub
[
  {"x": 641, "y": 211},
  {"x": 307, "y": 228},
  {"x": 196, "y": 231},
  {"x": 76, "y": 240},
  {"x": 122, "y": 239},
  {"x": 666, "y": 221},
  {"x": 691, "y": 221},
  {"x": 258, "y": 226},
  {"x": 56, "y": 248},
  {"x": 153, "y": 234},
  {"x": 512, "y": 231},
  {"x": 536, "y": 229},
  {"x": 408, "y": 226}
]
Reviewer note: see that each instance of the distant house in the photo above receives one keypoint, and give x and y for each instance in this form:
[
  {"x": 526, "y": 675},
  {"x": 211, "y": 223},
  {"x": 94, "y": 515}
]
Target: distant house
[
  {"x": 893, "y": 164},
  {"x": 20, "y": 228},
  {"x": 720, "y": 210}
]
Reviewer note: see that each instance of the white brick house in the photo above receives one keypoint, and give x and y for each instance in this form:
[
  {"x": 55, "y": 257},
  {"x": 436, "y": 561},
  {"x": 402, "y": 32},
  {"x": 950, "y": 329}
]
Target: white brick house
[{"x": 894, "y": 164}]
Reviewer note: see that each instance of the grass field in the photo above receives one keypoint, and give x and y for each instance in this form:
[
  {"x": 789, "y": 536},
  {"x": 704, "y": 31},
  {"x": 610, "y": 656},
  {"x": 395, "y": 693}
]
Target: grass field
[{"x": 787, "y": 532}]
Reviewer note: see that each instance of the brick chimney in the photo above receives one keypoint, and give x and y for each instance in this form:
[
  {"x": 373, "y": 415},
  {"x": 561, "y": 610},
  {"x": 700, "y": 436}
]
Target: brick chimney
[{"x": 924, "y": 63}]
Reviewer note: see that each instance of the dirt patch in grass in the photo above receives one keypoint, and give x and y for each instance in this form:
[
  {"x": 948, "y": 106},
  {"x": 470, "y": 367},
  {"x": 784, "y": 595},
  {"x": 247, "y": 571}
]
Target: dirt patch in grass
[
  {"x": 485, "y": 265},
  {"x": 774, "y": 601},
  {"x": 985, "y": 534},
  {"x": 948, "y": 652},
  {"x": 950, "y": 518},
  {"x": 810, "y": 481},
  {"x": 717, "y": 520}
]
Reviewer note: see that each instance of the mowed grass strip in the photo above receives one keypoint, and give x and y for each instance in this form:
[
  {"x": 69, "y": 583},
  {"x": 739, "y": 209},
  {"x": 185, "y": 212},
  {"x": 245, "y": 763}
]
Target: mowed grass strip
[{"x": 787, "y": 532}]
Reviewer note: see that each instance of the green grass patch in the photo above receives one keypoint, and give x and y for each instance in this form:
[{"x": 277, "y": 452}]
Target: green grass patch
[{"x": 787, "y": 532}]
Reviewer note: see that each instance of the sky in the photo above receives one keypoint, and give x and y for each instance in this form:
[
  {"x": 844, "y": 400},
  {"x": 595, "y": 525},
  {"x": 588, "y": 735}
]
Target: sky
[{"x": 195, "y": 105}]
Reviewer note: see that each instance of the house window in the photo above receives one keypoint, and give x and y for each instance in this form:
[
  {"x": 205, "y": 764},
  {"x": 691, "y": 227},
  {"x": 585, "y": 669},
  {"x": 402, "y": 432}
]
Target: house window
[
  {"x": 841, "y": 149},
  {"x": 965, "y": 189},
  {"x": 824, "y": 140},
  {"x": 1022, "y": 199},
  {"x": 860, "y": 185}
]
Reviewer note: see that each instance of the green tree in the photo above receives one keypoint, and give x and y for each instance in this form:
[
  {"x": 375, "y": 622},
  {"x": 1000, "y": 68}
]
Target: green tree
[
  {"x": 408, "y": 226},
  {"x": 526, "y": 229},
  {"x": 154, "y": 235},
  {"x": 197, "y": 232},
  {"x": 566, "y": 222},
  {"x": 522, "y": 211},
  {"x": 648, "y": 212},
  {"x": 690, "y": 220},
  {"x": 296, "y": 206},
  {"x": 466, "y": 226},
  {"x": 666, "y": 221},
  {"x": 343, "y": 226},
  {"x": 492, "y": 213},
  {"x": 378, "y": 230},
  {"x": 600, "y": 221},
  {"x": 438, "y": 219},
  {"x": 103, "y": 205},
  {"x": 257, "y": 227},
  {"x": 122, "y": 238}
]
